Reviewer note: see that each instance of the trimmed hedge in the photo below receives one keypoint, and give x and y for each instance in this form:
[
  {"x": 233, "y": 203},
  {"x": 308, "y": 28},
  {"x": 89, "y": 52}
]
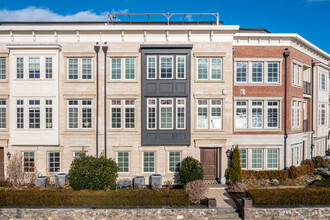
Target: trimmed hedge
[
  {"x": 94, "y": 198},
  {"x": 300, "y": 196},
  {"x": 265, "y": 174},
  {"x": 295, "y": 172}
]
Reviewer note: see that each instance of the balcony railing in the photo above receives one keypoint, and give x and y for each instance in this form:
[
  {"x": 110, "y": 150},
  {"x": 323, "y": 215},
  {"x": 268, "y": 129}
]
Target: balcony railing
[
  {"x": 305, "y": 125},
  {"x": 307, "y": 88}
]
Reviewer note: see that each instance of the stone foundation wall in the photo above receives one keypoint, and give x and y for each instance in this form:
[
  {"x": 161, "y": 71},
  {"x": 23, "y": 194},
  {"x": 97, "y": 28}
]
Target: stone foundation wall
[
  {"x": 312, "y": 212},
  {"x": 89, "y": 213}
]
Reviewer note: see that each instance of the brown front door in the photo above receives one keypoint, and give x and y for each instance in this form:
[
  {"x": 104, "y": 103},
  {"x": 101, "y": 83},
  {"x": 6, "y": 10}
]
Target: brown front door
[
  {"x": 209, "y": 162},
  {"x": 2, "y": 163}
]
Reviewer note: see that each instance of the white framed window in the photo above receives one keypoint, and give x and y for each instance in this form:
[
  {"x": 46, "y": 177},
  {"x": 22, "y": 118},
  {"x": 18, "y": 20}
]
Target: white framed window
[
  {"x": 122, "y": 68},
  {"x": 272, "y": 114},
  {"x": 243, "y": 157},
  {"x": 166, "y": 67},
  {"x": 257, "y": 72},
  {"x": 180, "y": 67},
  {"x": 34, "y": 68},
  {"x": 3, "y": 114},
  {"x": 80, "y": 114},
  {"x": 3, "y": 69},
  {"x": 216, "y": 68},
  {"x": 80, "y": 68},
  {"x": 20, "y": 114},
  {"x": 241, "y": 114},
  {"x": 28, "y": 161},
  {"x": 76, "y": 154},
  {"x": 297, "y": 74},
  {"x": 216, "y": 114},
  {"x": 166, "y": 113},
  {"x": 174, "y": 161},
  {"x": 86, "y": 112},
  {"x": 323, "y": 81},
  {"x": 115, "y": 68},
  {"x": 73, "y": 114},
  {"x": 49, "y": 67},
  {"x": 86, "y": 68},
  {"x": 209, "y": 68},
  {"x": 19, "y": 67},
  {"x": 256, "y": 114},
  {"x": 130, "y": 68},
  {"x": 34, "y": 113},
  {"x": 272, "y": 158},
  {"x": 256, "y": 159},
  {"x": 241, "y": 72},
  {"x": 180, "y": 113},
  {"x": 54, "y": 162},
  {"x": 296, "y": 114},
  {"x": 293, "y": 114},
  {"x": 273, "y": 72},
  {"x": 298, "y": 110},
  {"x": 202, "y": 68},
  {"x": 72, "y": 68},
  {"x": 151, "y": 113},
  {"x": 151, "y": 67},
  {"x": 148, "y": 162},
  {"x": 49, "y": 113},
  {"x": 296, "y": 155},
  {"x": 202, "y": 114},
  {"x": 122, "y": 113},
  {"x": 123, "y": 162},
  {"x": 322, "y": 114}
]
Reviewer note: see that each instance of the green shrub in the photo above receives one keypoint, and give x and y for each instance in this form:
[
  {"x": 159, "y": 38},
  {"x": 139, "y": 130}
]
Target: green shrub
[
  {"x": 94, "y": 198},
  {"x": 319, "y": 162},
  {"x": 327, "y": 161},
  {"x": 191, "y": 170},
  {"x": 328, "y": 152},
  {"x": 310, "y": 164},
  {"x": 234, "y": 171},
  {"x": 292, "y": 196},
  {"x": 265, "y": 174},
  {"x": 295, "y": 172},
  {"x": 88, "y": 172}
]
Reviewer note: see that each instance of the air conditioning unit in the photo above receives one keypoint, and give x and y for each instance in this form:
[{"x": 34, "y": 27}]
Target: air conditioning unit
[
  {"x": 155, "y": 181},
  {"x": 41, "y": 181},
  {"x": 138, "y": 182},
  {"x": 242, "y": 91},
  {"x": 60, "y": 179}
]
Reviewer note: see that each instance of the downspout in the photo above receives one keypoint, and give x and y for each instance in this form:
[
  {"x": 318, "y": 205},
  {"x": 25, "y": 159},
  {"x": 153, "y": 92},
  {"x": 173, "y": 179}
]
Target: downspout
[
  {"x": 105, "y": 49},
  {"x": 286, "y": 54},
  {"x": 97, "y": 48},
  {"x": 313, "y": 131}
]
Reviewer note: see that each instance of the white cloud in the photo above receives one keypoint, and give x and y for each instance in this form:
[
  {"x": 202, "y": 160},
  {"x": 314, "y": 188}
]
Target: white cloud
[
  {"x": 43, "y": 14},
  {"x": 318, "y": 0}
]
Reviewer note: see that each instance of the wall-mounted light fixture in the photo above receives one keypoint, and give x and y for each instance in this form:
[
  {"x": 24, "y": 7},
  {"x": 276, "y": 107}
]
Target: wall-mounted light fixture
[{"x": 8, "y": 155}]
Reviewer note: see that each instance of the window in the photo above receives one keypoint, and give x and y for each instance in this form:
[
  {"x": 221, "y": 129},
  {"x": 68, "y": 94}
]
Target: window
[
  {"x": 151, "y": 113},
  {"x": 209, "y": 65},
  {"x": 123, "y": 162},
  {"x": 257, "y": 72},
  {"x": 76, "y": 154},
  {"x": 202, "y": 116},
  {"x": 86, "y": 68},
  {"x": 129, "y": 113},
  {"x": 241, "y": 114},
  {"x": 73, "y": 116},
  {"x": 73, "y": 68},
  {"x": 273, "y": 72},
  {"x": 272, "y": 159},
  {"x": 34, "y": 68},
  {"x": 3, "y": 68},
  {"x": 293, "y": 115},
  {"x": 256, "y": 114},
  {"x": 180, "y": 67},
  {"x": 272, "y": 114},
  {"x": 34, "y": 113},
  {"x": 174, "y": 162},
  {"x": 49, "y": 67},
  {"x": 180, "y": 113},
  {"x": 297, "y": 75},
  {"x": 20, "y": 114},
  {"x": 127, "y": 116},
  {"x": 256, "y": 158},
  {"x": 298, "y": 107},
  {"x": 115, "y": 68},
  {"x": 54, "y": 162},
  {"x": 322, "y": 114},
  {"x": 151, "y": 67},
  {"x": 241, "y": 72},
  {"x": 166, "y": 67},
  {"x": 216, "y": 114},
  {"x": 148, "y": 162},
  {"x": 3, "y": 114},
  {"x": 28, "y": 162},
  {"x": 243, "y": 157},
  {"x": 49, "y": 114},
  {"x": 323, "y": 82},
  {"x": 130, "y": 68},
  {"x": 166, "y": 113},
  {"x": 19, "y": 67},
  {"x": 296, "y": 151},
  {"x": 86, "y": 113}
]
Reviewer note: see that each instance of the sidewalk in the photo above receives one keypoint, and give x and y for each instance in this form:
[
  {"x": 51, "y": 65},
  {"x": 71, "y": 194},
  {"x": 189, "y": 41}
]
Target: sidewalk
[{"x": 222, "y": 197}]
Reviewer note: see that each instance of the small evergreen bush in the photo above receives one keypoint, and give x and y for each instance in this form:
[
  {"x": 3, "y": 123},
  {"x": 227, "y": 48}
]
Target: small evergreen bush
[
  {"x": 91, "y": 173},
  {"x": 191, "y": 170},
  {"x": 310, "y": 164},
  {"x": 234, "y": 171},
  {"x": 319, "y": 162}
]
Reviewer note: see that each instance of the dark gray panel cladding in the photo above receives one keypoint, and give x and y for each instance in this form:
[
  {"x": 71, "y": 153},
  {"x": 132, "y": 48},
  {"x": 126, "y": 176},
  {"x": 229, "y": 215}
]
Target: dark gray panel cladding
[{"x": 165, "y": 88}]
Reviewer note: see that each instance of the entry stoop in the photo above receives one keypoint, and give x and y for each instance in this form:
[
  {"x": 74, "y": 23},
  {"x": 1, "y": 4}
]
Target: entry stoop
[{"x": 227, "y": 214}]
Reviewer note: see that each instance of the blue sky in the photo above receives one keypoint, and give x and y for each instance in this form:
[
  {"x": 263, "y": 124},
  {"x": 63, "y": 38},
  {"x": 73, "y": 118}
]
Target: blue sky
[{"x": 309, "y": 18}]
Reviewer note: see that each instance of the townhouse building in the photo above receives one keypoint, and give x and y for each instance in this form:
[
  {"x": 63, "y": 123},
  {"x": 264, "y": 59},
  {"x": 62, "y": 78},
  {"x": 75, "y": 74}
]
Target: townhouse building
[{"x": 149, "y": 94}]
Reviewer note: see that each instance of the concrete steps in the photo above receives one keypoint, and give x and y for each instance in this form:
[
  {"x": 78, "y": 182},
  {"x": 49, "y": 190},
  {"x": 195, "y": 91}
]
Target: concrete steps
[{"x": 227, "y": 214}]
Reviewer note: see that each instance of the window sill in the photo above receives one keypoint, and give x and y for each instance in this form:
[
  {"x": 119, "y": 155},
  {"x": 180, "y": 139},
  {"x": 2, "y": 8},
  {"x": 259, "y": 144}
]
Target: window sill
[
  {"x": 209, "y": 130},
  {"x": 122, "y": 130},
  {"x": 79, "y": 81},
  {"x": 34, "y": 129},
  {"x": 256, "y": 130},
  {"x": 79, "y": 130},
  {"x": 208, "y": 81},
  {"x": 122, "y": 81},
  {"x": 257, "y": 84},
  {"x": 4, "y": 81},
  {"x": 297, "y": 86},
  {"x": 33, "y": 80}
]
